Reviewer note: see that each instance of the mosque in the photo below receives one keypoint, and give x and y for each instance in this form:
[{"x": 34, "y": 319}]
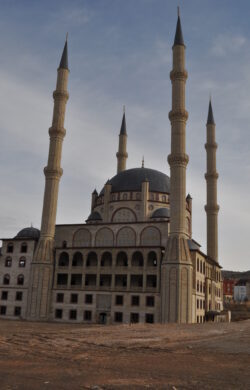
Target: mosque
[{"x": 134, "y": 260}]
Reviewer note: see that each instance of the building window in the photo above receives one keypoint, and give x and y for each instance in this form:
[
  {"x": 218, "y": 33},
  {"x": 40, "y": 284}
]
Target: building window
[
  {"x": 77, "y": 260},
  {"x": 198, "y": 263},
  {"x": 3, "y": 310},
  {"x": 17, "y": 311},
  {"x": 124, "y": 196},
  {"x": 119, "y": 299},
  {"x": 24, "y": 247},
  {"x": 58, "y": 313},
  {"x": 59, "y": 297},
  {"x": 150, "y": 301},
  {"x": 197, "y": 319},
  {"x": 62, "y": 279},
  {"x": 92, "y": 260},
  {"x": 197, "y": 303},
  {"x": 22, "y": 262},
  {"x": 63, "y": 260},
  {"x": 6, "y": 279},
  {"x": 74, "y": 298},
  {"x": 122, "y": 259},
  {"x": 87, "y": 315},
  {"x": 149, "y": 318},
  {"x": 10, "y": 248},
  {"x": 8, "y": 261},
  {"x": 19, "y": 296},
  {"x": 135, "y": 300},
  {"x": 164, "y": 199},
  {"x": 73, "y": 314},
  {"x": 151, "y": 281},
  {"x": 137, "y": 259},
  {"x": 118, "y": 316},
  {"x": 204, "y": 305},
  {"x": 88, "y": 298},
  {"x": 152, "y": 259},
  {"x": 20, "y": 280},
  {"x": 134, "y": 318},
  {"x": 64, "y": 244},
  {"x": 76, "y": 279},
  {"x": 198, "y": 286},
  {"x": 138, "y": 196},
  {"x": 4, "y": 295}
]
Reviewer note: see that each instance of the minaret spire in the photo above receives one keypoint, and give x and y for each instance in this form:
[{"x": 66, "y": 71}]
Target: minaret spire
[
  {"x": 211, "y": 177},
  {"x": 177, "y": 264},
  {"x": 42, "y": 264},
  {"x": 122, "y": 154}
]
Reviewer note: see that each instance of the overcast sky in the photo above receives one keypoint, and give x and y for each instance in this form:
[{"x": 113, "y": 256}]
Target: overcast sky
[{"x": 120, "y": 53}]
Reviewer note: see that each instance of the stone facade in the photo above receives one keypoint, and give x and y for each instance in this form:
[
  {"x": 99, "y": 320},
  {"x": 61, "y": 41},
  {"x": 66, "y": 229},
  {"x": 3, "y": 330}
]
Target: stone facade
[{"x": 134, "y": 260}]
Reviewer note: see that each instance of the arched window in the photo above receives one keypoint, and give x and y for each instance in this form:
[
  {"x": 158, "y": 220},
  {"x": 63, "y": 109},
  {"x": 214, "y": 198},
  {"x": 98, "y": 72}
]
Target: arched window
[
  {"x": 124, "y": 196},
  {"x": 122, "y": 259},
  {"x": 152, "y": 259},
  {"x": 8, "y": 261},
  {"x": 64, "y": 244},
  {"x": 150, "y": 236},
  {"x": 20, "y": 280},
  {"x": 24, "y": 247},
  {"x": 63, "y": 260},
  {"x": 104, "y": 237},
  {"x": 6, "y": 279},
  {"x": 77, "y": 260},
  {"x": 22, "y": 262},
  {"x": 106, "y": 260},
  {"x": 138, "y": 196},
  {"x": 124, "y": 214},
  {"x": 137, "y": 259},
  {"x": 10, "y": 248},
  {"x": 164, "y": 199},
  {"x": 82, "y": 238},
  {"x": 126, "y": 237},
  {"x": 92, "y": 259}
]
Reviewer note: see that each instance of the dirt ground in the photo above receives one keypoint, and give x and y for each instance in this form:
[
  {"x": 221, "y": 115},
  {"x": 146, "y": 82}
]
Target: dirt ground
[{"x": 61, "y": 356}]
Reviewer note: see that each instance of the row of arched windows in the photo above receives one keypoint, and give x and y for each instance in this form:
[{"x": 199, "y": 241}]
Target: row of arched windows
[
  {"x": 6, "y": 279},
  {"x": 23, "y": 247},
  {"x": 21, "y": 263},
  {"x": 106, "y": 260},
  {"x": 126, "y": 236}
]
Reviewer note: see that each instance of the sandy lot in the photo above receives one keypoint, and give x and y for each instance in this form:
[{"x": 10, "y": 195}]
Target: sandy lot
[{"x": 59, "y": 356}]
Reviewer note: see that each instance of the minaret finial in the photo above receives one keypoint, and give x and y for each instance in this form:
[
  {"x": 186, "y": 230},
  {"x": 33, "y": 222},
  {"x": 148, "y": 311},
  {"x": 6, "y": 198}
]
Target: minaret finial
[
  {"x": 178, "y": 11},
  {"x": 142, "y": 163},
  {"x": 124, "y": 107},
  {"x": 210, "y": 116},
  {"x": 64, "y": 58},
  {"x": 67, "y": 34},
  {"x": 178, "y": 39}
]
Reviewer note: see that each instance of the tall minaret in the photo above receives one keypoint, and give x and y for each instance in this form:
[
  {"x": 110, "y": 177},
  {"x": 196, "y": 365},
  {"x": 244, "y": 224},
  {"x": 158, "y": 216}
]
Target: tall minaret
[
  {"x": 122, "y": 154},
  {"x": 177, "y": 264},
  {"x": 211, "y": 176},
  {"x": 42, "y": 264}
]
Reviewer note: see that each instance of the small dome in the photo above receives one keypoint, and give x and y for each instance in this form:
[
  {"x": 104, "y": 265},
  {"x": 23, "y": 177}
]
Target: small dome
[
  {"x": 29, "y": 232},
  {"x": 161, "y": 213},
  {"x": 94, "y": 216}
]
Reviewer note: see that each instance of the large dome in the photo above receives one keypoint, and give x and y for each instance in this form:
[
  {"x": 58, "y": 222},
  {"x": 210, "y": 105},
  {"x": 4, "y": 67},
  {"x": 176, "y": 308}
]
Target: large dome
[
  {"x": 131, "y": 180},
  {"x": 29, "y": 232}
]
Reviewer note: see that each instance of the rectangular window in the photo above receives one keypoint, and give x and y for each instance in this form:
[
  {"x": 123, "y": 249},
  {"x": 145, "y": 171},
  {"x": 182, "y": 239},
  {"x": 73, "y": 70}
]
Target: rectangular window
[
  {"x": 76, "y": 279},
  {"x": 135, "y": 300},
  {"x": 203, "y": 304},
  {"x": 59, "y": 297},
  {"x": 134, "y": 318},
  {"x": 4, "y": 295},
  {"x": 74, "y": 298},
  {"x": 87, "y": 315},
  {"x": 150, "y": 301},
  {"x": 149, "y": 318},
  {"x": 197, "y": 303},
  {"x": 58, "y": 313},
  {"x": 88, "y": 298},
  {"x": 3, "y": 310},
  {"x": 72, "y": 314},
  {"x": 118, "y": 317},
  {"x": 19, "y": 296},
  {"x": 119, "y": 300},
  {"x": 62, "y": 279},
  {"x": 17, "y": 311},
  {"x": 24, "y": 248}
]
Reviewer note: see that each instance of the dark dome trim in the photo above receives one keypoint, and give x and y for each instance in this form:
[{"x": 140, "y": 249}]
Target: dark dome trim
[
  {"x": 29, "y": 232},
  {"x": 161, "y": 213},
  {"x": 132, "y": 179}
]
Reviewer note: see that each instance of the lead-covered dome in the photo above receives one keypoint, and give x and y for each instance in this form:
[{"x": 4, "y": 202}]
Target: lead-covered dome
[
  {"x": 29, "y": 232},
  {"x": 132, "y": 179}
]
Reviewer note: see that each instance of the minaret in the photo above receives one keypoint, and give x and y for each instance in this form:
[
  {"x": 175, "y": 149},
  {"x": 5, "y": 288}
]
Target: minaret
[
  {"x": 42, "y": 264},
  {"x": 177, "y": 264},
  {"x": 211, "y": 176},
  {"x": 122, "y": 154}
]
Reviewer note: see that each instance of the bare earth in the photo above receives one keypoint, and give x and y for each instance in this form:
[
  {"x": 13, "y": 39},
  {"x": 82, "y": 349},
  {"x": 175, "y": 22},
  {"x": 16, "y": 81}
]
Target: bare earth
[{"x": 61, "y": 356}]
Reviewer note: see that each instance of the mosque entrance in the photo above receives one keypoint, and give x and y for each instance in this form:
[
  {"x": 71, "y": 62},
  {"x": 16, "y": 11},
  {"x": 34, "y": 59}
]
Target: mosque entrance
[{"x": 103, "y": 318}]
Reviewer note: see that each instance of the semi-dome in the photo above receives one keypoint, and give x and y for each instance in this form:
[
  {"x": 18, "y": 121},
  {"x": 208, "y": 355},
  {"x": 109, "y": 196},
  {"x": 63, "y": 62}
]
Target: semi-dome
[
  {"x": 94, "y": 216},
  {"x": 132, "y": 179},
  {"x": 161, "y": 213},
  {"x": 29, "y": 232}
]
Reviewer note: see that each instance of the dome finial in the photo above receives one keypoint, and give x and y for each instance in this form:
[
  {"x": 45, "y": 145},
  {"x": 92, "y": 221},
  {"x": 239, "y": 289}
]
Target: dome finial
[{"x": 142, "y": 163}]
